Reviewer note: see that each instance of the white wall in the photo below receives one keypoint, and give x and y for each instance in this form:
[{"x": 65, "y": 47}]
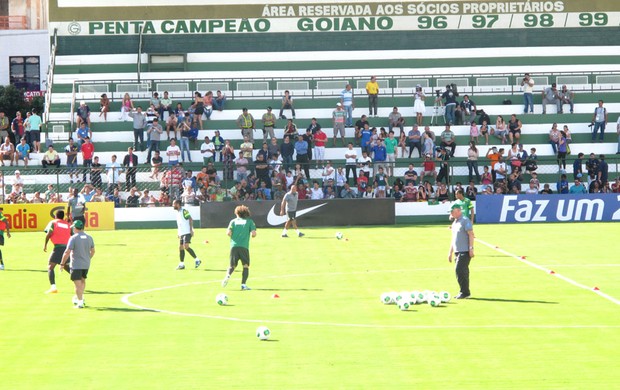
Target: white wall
[{"x": 24, "y": 43}]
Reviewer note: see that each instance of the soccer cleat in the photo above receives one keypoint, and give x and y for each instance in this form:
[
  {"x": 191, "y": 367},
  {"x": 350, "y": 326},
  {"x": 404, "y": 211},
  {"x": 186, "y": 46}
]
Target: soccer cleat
[
  {"x": 197, "y": 263},
  {"x": 1, "y": 267},
  {"x": 300, "y": 234},
  {"x": 79, "y": 306},
  {"x": 52, "y": 290},
  {"x": 181, "y": 266},
  {"x": 284, "y": 235},
  {"x": 75, "y": 300},
  {"x": 225, "y": 281},
  {"x": 244, "y": 287},
  {"x": 462, "y": 296}
]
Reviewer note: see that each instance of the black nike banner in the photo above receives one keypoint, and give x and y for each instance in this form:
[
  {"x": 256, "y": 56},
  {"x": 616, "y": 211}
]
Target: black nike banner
[{"x": 333, "y": 212}]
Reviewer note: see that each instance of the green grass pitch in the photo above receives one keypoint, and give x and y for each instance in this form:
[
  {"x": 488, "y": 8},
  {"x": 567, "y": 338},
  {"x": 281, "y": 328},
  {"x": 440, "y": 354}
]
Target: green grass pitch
[{"x": 526, "y": 329}]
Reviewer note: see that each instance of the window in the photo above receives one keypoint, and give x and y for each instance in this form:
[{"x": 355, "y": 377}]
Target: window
[{"x": 25, "y": 73}]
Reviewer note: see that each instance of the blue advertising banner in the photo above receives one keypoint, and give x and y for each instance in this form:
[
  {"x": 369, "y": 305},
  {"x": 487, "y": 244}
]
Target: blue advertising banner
[{"x": 548, "y": 208}]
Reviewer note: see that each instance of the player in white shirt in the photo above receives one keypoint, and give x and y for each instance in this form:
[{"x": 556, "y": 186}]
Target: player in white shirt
[{"x": 185, "y": 231}]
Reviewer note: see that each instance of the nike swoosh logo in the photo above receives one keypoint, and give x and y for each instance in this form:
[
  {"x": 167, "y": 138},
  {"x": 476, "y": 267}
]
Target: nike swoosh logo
[{"x": 275, "y": 220}]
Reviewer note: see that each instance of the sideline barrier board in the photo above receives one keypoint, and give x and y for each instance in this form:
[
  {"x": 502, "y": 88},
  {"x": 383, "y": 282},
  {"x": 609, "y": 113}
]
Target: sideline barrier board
[
  {"x": 35, "y": 217},
  {"x": 548, "y": 208},
  {"x": 333, "y": 212}
]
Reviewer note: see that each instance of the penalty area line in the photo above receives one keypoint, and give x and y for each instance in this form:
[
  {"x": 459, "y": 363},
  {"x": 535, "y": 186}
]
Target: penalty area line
[{"x": 551, "y": 272}]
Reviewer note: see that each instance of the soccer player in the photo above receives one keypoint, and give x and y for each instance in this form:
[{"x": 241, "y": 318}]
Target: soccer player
[
  {"x": 59, "y": 231},
  {"x": 462, "y": 246},
  {"x": 289, "y": 204},
  {"x": 239, "y": 230},
  {"x": 81, "y": 249},
  {"x": 4, "y": 225},
  {"x": 185, "y": 228},
  {"x": 465, "y": 204}
]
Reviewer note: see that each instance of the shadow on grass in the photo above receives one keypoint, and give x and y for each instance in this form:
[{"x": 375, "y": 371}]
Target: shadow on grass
[
  {"x": 124, "y": 310},
  {"x": 512, "y": 300},
  {"x": 25, "y": 270},
  {"x": 214, "y": 270},
  {"x": 112, "y": 244},
  {"x": 105, "y": 292},
  {"x": 288, "y": 289}
]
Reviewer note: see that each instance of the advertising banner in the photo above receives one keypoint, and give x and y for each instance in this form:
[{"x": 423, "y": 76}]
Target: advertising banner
[
  {"x": 35, "y": 217},
  {"x": 548, "y": 208},
  {"x": 333, "y": 212}
]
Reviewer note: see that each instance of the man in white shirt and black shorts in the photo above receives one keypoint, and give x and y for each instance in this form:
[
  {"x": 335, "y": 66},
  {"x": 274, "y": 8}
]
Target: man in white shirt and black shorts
[
  {"x": 289, "y": 204},
  {"x": 185, "y": 230}
]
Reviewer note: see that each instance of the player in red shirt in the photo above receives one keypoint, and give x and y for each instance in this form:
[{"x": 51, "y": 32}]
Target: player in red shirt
[
  {"x": 88, "y": 150},
  {"x": 319, "y": 147},
  {"x": 59, "y": 231}
]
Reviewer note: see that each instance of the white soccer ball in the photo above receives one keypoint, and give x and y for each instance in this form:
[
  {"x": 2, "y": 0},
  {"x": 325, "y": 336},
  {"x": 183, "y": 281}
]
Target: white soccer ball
[
  {"x": 420, "y": 297},
  {"x": 221, "y": 299},
  {"x": 413, "y": 297},
  {"x": 263, "y": 333},
  {"x": 404, "y": 304},
  {"x": 444, "y": 296},
  {"x": 386, "y": 299},
  {"x": 434, "y": 301},
  {"x": 339, "y": 235},
  {"x": 394, "y": 297}
]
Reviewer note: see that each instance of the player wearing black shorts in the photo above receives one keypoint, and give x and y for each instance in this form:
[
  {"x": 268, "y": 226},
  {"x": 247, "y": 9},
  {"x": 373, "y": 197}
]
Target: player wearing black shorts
[
  {"x": 59, "y": 231},
  {"x": 289, "y": 204},
  {"x": 185, "y": 231},
  {"x": 240, "y": 230}
]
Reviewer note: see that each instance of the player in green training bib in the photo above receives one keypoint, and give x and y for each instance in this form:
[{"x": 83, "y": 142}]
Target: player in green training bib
[
  {"x": 465, "y": 205},
  {"x": 240, "y": 230}
]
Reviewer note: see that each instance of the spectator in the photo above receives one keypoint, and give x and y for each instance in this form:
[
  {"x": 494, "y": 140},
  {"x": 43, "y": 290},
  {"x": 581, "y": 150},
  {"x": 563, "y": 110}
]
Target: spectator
[
  {"x": 551, "y": 96},
  {"x": 501, "y": 130},
  {"x": 172, "y": 123},
  {"x": 269, "y": 122},
  {"x": 208, "y": 104},
  {"x": 198, "y": 107},
  {"x": 290, "y": 130},
  {"x": 418, "y": 104},
  {"x": 617, "y": 131},
  {"x": 130, "y": 162},
  {"x": 88, "y": 151},
  {"x": 362, "y": 183},
  {"x": 287, "y": 104},
  {"x": 562, "y": 150},
  {"x": 615, "y": 186},
  {"x": 395, "y": 119},
  {"x": 554, "y": 137},
  {"x": 83, "y": 114},
  {"x": 578, "y": 188},
  {"x": 156, "y": 163},
  {"x": 207, "y": 149},
  {"x": 448, "y": 141},
  {"x": 126, "y": 107},
  {"x": 428, "y": 145},
  {"x": 472, "y": 161},
  {"x": 219, "y": 101},
  {"x": 309, "y": 138},
  {"x": 346, "y": 99},
  {"x": 347, "y": 192},
  {"x": 514, "y": 128},
  {"x": 444, "y": 157},
  {"x": 104, "y": 102},
  {"x": 474, "y": 132},
  {"x": 566, "y": 97},
  {"x": 428, "y": 167},
  {"x": 34, "y": 126},
  {"x": 287, "y": 149},
  {"x": 242, "y": 167},
  {"x": 173, "y": 152},
  {"x": 414, "y": 140},
  {"x": 468, "y": 109},
  {"x": 133, "y": 199},
  {"x": 139, "y": 123},
  {"x": 184, "y": 131},
  {"x": 530, "y": 163},
  {"x": 528, "y": 88},
  {"x": 320, "y": 139},
  {"x": 578, "y": 167},
  {"x": 22, "y": 152},
  {"x": 599, "y": 120},
  {"x": 95, "y": 173},
  {"x": 450, "y": 103},
  {"x": 50, "y": 157},
  {"x": 338, "y": 122},
  {"x": 365, "y": 138},
  {"x": 81, "y": 134},
  {"x": 5, "y": 130},
  {"x": 7, "y": 151},
  {"x": 603, "y": 170},
  {"x": 500, "y": 170},
  {"x": 18, "y": 128},
  {"x": 71, "y": 153},
  {"x": 562, "y": 185},
  {"x": 372, "y": 89},
  {"x": 486, "y": 179},
  {"x": 484, "y": 131},
  {"x": 546, "y": 190},
  {"x": 301, "y": 148},
  {"x": 484, "y": 117},
  {"x": 165, "y": 107},
  {"x": 380, "y": 156},
  {"x": 154, "y": 135},
  {"x": 262, "y": 170},
  {"x": 316, "y": 192},
  {"x": 364, "y": 164}
]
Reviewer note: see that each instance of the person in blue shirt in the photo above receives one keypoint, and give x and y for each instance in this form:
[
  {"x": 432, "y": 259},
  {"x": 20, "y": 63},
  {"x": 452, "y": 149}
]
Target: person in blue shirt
[
  {"x": 379, "y": 156},
  {"x": 578, "y": 188},
  {"x": 578, "y": 167},
  {"x": 562, "y": 185},
  {"x": 23, "y": 150},
  {"x": 301, "y": 147},
  {"x": 365, "y": 138}
]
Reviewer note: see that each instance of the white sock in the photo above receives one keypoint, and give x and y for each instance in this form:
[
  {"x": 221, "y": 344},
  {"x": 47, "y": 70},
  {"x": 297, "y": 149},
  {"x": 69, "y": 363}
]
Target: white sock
[
  {"x": 80, "y": 302},
  {"x": 297, "y": 230},
  {"x": 284, "y": 231},
  {"x": 53, "y": 287}
]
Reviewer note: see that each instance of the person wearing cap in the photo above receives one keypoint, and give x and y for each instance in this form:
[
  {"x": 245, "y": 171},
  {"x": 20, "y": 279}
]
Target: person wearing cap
[
  {"x": 83, "y": 114},
  {"x": 338, "y": 119},
  {"x": 551, "y": 96},
  {"x": 246, "y": 123},
  {"x": 372, "y": 89},
  {"x": 287, "y": 103},
  {"x": 269, "y": 122},
  {"x": 59, "y": 232},
  {"x": 81, "y": 249},
  {"x": 462, "y": 247}
]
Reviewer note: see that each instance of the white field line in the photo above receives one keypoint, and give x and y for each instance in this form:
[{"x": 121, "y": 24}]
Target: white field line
[
  {"x": 551, "y": 272},
  {"x": 126, "y": 299}
]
